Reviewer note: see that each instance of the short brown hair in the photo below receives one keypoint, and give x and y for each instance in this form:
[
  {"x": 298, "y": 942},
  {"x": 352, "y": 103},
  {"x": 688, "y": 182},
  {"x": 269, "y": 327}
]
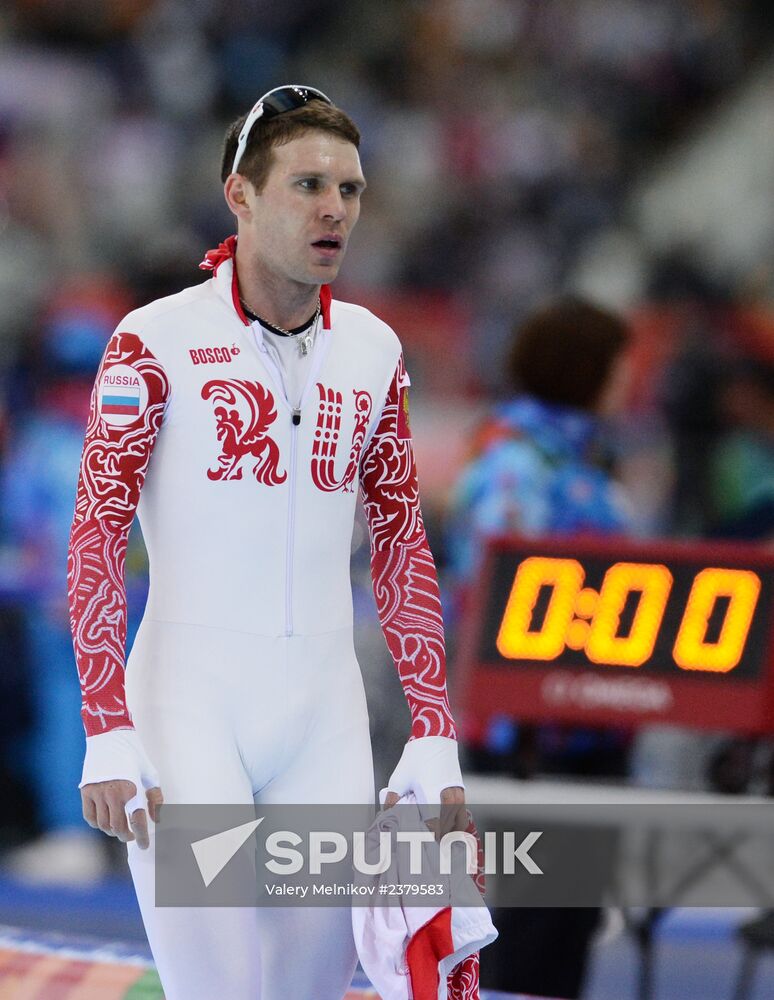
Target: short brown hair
[
  {"x": 565, "y": 352},
  {"x": 265, "y": 136}
]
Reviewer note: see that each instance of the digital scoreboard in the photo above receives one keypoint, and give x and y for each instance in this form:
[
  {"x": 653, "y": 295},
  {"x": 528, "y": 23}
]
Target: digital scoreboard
[{"x": 614, "y": 632}]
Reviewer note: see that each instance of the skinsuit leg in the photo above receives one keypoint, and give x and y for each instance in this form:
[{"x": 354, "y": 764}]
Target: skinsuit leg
[{"x": 237, "y": 718}]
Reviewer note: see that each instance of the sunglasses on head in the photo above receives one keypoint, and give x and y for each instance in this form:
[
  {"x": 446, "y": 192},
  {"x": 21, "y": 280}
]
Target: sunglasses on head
[{"x": 276, "y": 102}]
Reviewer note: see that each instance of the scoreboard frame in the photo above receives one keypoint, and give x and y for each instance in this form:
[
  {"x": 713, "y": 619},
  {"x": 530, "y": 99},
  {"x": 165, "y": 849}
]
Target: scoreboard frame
[{"x": 666, "y": 679}]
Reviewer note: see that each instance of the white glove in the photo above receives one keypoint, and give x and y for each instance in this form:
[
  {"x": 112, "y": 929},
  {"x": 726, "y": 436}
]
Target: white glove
[
  {"x": 118, "y": 755},
  {"x": 427, "y": 766}
]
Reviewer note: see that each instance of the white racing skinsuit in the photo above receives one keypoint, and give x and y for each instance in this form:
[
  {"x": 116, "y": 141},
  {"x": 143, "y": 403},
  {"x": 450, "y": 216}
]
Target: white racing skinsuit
[{"x": 242, "y": 684}]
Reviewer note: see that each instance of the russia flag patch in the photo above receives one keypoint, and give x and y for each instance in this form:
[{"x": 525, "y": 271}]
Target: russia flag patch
[
  {"x": 126, "y": 402},
  {"x": 123, "y": 395}
]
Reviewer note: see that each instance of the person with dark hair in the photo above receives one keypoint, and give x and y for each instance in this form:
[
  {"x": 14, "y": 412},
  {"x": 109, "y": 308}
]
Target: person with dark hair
[
  {"x": 569, "y": 355},
  {"x": 241, "y": 415},
  {"x": 537, "y": 469}
]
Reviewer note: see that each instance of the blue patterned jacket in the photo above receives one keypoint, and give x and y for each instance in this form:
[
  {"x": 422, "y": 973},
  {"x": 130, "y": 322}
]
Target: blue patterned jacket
[{"x": 537, "y": 472}]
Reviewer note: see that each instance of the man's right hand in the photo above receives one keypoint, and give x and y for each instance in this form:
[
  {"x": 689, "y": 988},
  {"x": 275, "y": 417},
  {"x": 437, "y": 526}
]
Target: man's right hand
[
  {"x": 104, "y": 808},
  {"x": 118, "y": 784}
]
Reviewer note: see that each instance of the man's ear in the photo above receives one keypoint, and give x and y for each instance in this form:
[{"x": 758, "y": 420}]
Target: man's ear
[{"x": 235, "y": 193}]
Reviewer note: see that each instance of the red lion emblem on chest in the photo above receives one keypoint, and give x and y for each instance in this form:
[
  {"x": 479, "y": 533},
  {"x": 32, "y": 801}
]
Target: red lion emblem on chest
[{"x": 244, "y": 411}]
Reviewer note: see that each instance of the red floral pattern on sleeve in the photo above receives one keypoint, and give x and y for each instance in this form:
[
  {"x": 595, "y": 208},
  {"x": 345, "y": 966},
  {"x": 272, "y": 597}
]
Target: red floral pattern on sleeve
[
  {"x": 463, "y": 981},
  {"x": 113, "y": 467},
  {"x": 402, "y": 568}
]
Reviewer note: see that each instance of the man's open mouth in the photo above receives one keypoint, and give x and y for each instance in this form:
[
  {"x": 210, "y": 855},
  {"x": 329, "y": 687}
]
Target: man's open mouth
[{"x": 328, "y": 244}]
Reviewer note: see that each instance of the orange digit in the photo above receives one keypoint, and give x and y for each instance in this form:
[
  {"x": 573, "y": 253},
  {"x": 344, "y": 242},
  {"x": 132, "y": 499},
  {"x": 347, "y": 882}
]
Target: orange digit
[
  {"x": 515, "y": 640},
  {"x": 692, "y": 651},
  {"x": 603, "y": 645}
]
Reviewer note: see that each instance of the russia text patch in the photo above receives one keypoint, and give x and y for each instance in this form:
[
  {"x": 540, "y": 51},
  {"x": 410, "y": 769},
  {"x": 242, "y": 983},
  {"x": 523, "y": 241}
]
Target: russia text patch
[{"x": 123, "y": 395}]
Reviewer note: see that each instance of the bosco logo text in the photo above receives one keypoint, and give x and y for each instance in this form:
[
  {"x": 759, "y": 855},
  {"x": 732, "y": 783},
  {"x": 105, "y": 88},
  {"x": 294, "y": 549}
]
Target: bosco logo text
[{"x": 212, "y": 355}]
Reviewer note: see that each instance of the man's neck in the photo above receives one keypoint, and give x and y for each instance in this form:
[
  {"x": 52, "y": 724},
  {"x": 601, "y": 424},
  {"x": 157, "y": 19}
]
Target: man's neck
[{"x": 282, "y": 303}]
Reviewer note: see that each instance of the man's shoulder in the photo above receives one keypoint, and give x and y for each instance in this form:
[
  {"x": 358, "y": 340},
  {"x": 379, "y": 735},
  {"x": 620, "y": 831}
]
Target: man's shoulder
[
  {"x": 366, "y": 322},
  {"x": 155, "y": 316}
]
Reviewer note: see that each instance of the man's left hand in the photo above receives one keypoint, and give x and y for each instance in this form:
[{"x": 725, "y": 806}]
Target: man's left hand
[{"x": 454, "y": 815}]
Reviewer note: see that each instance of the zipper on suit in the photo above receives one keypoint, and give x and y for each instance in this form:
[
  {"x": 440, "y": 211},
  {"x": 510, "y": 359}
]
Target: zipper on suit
[
  {"x": 319, "y": 349},
  {"x": 291, "y": 525}
]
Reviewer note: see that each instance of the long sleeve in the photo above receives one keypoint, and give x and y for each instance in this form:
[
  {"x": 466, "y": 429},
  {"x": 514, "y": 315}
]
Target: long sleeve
[
  {"x": 402, "y": 569},
  {"x": 127, "y": 408}
]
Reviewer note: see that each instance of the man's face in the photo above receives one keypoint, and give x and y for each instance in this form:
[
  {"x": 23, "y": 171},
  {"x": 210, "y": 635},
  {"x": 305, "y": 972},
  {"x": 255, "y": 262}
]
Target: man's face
[{"x": 301, "y": 221}]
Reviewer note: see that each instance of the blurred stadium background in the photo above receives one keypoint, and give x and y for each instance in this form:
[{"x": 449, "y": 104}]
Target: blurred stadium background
[{"x": 516, "y": 150}]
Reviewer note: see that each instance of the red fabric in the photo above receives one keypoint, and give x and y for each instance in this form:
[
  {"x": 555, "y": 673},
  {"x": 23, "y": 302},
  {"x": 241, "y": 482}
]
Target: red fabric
[
  {"x": 463, "y": 983},
  {"x": 113, "y": 467},
  {"x": 427, "y": 947},
  {"x": 403, "y": 572},
  {"x": 235, "y": 297},
  {"x": 214, "y": 258},
  {"x": 325, "y": 305},
  {"x": 212, "y": 261}
]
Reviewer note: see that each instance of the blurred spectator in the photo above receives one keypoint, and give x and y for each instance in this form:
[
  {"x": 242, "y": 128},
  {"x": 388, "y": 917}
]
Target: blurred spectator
[
  {"x": 742, "y": 462},
  {"x": 538, "y": 470},
  {"x": 38, "y": 493}
]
